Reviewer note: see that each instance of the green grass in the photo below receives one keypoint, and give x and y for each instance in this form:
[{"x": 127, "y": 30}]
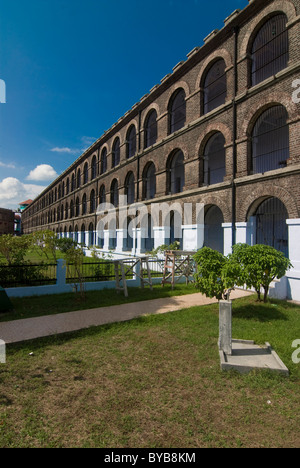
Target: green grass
[
  {"x": 59, "y": 303},
  {"x": 153, "y": 382}
]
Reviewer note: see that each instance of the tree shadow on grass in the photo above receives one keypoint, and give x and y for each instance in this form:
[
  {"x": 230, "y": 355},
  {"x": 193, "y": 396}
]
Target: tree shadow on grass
[{"x": 260, "y": 312}]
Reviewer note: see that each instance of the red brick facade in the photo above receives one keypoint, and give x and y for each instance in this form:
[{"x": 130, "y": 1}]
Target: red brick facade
[{"x": 240, "y": 192}]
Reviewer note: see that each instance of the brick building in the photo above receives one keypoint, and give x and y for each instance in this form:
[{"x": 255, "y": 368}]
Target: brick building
[
  {"x": 221, "y": 131},
  {"x": 7, "y": 221}
]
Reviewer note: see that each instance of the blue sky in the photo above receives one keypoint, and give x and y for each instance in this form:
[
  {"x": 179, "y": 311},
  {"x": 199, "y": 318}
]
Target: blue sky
[{"x": 73, "y": 67}]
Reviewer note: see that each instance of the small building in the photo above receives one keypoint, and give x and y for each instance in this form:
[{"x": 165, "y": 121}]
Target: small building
[{"x": 7, "y": 221}]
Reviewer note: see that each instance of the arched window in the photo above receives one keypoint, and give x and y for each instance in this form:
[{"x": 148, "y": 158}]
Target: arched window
[
  {"x": 92, "y": 201},
  {"x": 149, "y": 182},
  {"x": 104, "y": 161},
  {"x": 213, "y": 230},
  {"x": 175, "y": 179},
  {"x": 91, "y": 234},
  {"x": 114, "y": 193},
  {"x": 71, "y": 209},
  {"x": 270, "y": 49},
  {"x": 149, "y": 240},
  {"x": 131, "y": 142},
  {"x": 175, "y": 230},
  {"x": 84, "y": 207},
  {"x": 94, "y": 167},
  {"x": 67, "y": 186},
  {"x": 128, "y": 240},
  {"x": 177, "y": 111},
  {"x": 63, "y": 189},
  {"x": 78, "y": 178},
  {"x": 129, "y": 188},
  {"x": 271, "y": 227},
  {"x": 82, "y": 234},
  {"x": 77, "y": 207},
  {"x": 215, "y": 86},
  {"x": 151, "y": 129},
  {"x": 76, "y": 234},
  {"x": 102, "y": 195},
  {"x": 214, "y": 160},
  {"x": 73, "y": 183},
  {"x": 116, "y": 153},
  {"x": 67, "y": 211},
  {"x": 270, "y": 140},
  {"x": 86, "y": 173}
]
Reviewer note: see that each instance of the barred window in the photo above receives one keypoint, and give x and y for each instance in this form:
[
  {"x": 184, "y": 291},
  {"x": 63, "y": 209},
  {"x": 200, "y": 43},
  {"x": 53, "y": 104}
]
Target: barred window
[
  {"x": 214, "y": 160},
  {"x": 270, "y": 49},
  {"x": 270, "y": 140},
  {"x": 151, "y": 129},
  {"x": 114, "y": 193},
  {"x": 131, "y": 142},
  {"x": 271, "y": 227},
  {"x": 104, "y": 161},
  {"x": 149, "y": 182},
  {"x": 129, "y": 188},
  {"x": 94, "y": 168},
  {"x": 176, "y": 173},
  {"x": 177, "y": 111},
  {"x": 86, "y": 173},
  {"x": 116, "y": 153},
  {"x": 215, "y": 86}
]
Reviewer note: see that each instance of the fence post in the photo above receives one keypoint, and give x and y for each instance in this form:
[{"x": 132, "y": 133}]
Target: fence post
[{"x": 61, "y": 272}]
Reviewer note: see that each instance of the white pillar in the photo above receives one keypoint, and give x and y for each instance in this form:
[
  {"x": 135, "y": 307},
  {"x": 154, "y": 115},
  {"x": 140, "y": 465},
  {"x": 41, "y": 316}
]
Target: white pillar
[
  {"x": 227, "y": 227},
  {"x": 293, "y": 276}
]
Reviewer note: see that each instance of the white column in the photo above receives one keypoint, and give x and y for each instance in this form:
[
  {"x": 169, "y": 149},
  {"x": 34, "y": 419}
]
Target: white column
[
  {"x": 193, "y": 236},
  {"x": 293, "y": 275},
  {"x": 227, "y": 227},
  {"x": 241, "y": 233}
]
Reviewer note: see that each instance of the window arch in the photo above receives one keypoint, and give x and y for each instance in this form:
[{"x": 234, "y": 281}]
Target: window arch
[
  {"x": 92, "y": 201},
  {"x": 83, "y": 234},
  {"x": 130, "y": 188},
  {"x": 270, "y": 140},
  {"x": 78, "y": 178},
  {"x": 73, "y": 183},
  {"x": 213, "y": 230},
  {"x": 271, "y": 227},
  {"x": 177, "y": 111},
  {"x": 215, "y": 86},
  {"x": 214, "y": 160},
  {"x": 102, "y": 195},
  {"x": 71, "y": 209},
  {"x": 94, "y": 168},
  {"x": 270, "y": 49},
  {"x": 175, "y": 179},
  {"x": 84, "y": 206},
  {"x": 131, "y": 142},
  {"x": 77, "y": 207},
  {"x": 151, "y": 129},
  {"x": 86, "y": 173},
  {"x": 149, "y": 182},
  {"x": 116, "y": 153},
  {"x": 91, "y": 234},
  {"x": 114, "y": 193},
  {"x": 104, "y": 161}
]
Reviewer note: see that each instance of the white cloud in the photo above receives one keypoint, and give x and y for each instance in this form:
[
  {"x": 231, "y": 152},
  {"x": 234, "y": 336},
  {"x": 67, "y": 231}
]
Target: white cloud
[
  {"x": 9, "y": 165},
  {"x": 13, "y": 192},
  {"x": 43, "y": 172},
  {"x": 64, "y": 150}
]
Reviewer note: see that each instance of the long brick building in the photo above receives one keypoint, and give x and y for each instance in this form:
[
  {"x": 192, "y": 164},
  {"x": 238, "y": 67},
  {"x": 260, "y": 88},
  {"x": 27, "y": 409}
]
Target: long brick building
[{"x": 221, "y": 130}]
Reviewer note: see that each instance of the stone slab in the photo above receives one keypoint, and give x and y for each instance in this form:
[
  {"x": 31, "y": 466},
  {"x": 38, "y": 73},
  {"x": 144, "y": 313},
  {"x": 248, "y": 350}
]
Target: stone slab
[{"x": 246, "y": 356}]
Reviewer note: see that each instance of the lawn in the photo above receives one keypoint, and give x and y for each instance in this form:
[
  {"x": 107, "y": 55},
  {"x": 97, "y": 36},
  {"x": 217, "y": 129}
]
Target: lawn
[{"x": 153, "y": 382}]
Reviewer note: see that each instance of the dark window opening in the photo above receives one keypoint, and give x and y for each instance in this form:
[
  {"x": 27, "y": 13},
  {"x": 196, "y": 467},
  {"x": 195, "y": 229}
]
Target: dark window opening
[
  {"x": 270, "y": 50},
  {"x": 215, "y": 86}
]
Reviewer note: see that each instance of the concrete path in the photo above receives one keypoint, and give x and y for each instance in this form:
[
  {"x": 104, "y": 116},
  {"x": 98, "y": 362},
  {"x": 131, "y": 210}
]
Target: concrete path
[{"x": 31, "y": 328}]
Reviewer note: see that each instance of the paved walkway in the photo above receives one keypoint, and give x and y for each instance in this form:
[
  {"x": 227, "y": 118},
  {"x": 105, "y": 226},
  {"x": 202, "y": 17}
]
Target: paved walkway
[{"x": 31, "y": 328}]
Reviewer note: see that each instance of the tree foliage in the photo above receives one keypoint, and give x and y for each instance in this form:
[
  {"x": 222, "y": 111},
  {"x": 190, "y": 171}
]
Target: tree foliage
[
  {"x": 253, "y": 266},
  {"x": 14, "y": 249},
  {"x": 259, "y": 266}
]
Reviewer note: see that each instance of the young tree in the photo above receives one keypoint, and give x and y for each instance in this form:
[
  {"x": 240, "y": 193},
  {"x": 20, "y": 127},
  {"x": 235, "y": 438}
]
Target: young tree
[
  {"x": 259, "y": 266},
  {"x": 216, "y": 274},
  {"x": 46, "y": 243}
]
